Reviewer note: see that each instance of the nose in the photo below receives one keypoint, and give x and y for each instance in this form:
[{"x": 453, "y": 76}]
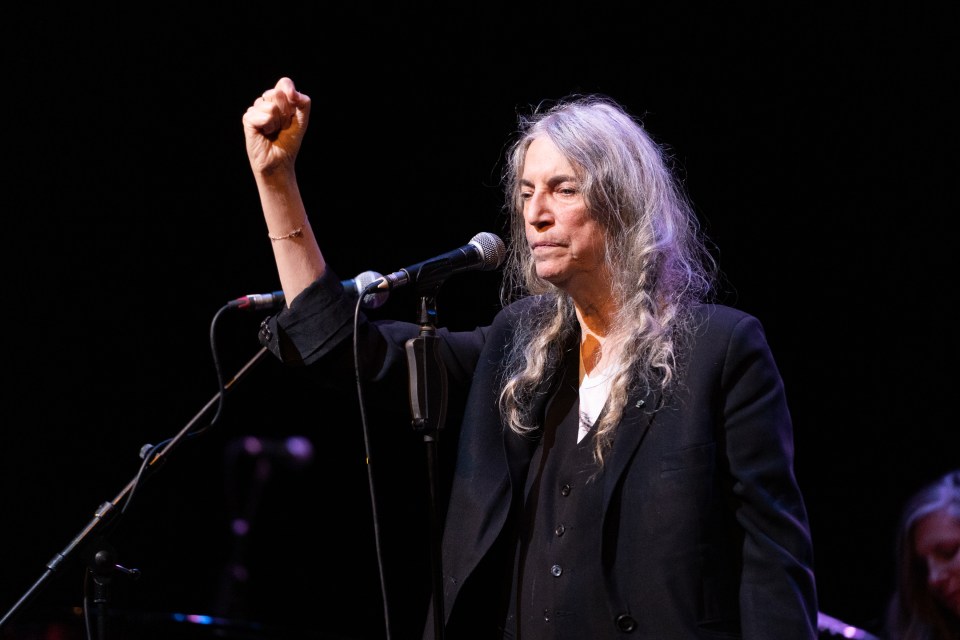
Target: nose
[
  {"x": 937, "y": 574},
  {"x": 536, "y": 212}
]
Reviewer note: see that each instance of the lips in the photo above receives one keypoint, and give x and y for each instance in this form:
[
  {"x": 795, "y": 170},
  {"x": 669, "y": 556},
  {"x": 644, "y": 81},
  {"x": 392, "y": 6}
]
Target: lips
[{"x": 543, "y": 245}]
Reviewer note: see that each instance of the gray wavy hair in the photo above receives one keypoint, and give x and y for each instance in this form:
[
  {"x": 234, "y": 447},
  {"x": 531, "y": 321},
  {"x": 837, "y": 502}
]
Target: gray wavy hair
[
  {"x": 659, "y": 259},
  {"x": 913, "y": 612}
]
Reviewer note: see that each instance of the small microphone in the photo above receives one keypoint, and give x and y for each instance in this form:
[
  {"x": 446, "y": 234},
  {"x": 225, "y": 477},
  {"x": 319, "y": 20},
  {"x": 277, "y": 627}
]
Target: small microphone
[
  {"x": 485, "y": 252},
  {"x": 353, "y": 286}
]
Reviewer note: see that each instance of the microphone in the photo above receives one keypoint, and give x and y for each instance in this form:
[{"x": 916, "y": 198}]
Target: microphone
[
  {"x": 353, "y": 286},
  {"x": 485, "y": 252}
]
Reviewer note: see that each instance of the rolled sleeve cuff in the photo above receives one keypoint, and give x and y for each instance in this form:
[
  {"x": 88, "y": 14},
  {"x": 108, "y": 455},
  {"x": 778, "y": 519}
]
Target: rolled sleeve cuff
[{"x": 317, "y": 320}]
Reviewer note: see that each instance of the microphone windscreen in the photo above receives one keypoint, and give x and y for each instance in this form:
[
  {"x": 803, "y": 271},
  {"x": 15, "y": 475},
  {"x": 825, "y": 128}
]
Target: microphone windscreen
[
  {"x": 371, "y": 300},
  {"x": 492, "y": 249}
]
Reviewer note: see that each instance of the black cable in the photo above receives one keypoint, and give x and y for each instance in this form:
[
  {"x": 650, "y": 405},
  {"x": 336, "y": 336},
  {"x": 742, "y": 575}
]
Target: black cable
[
  {"x": 147, "y": 451},
  {"x": 366, "y": 445}
]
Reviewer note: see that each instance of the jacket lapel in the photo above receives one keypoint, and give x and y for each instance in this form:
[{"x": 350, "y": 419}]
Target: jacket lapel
[
  {"x": 520, "y": 450},
  {"x": 637, "y": 418}
]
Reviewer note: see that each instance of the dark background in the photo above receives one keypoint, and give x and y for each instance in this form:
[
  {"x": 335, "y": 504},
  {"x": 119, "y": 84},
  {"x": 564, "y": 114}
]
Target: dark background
[{"x": 818, "y": 148}]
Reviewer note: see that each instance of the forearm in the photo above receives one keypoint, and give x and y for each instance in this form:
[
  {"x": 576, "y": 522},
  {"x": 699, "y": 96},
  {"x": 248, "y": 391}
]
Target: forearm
[
  {"x": 274, "y": 126},
  {"x": 295, "y": 248}
]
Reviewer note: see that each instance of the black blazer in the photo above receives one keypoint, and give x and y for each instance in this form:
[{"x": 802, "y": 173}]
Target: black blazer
[{"x": 705, "y": 533}]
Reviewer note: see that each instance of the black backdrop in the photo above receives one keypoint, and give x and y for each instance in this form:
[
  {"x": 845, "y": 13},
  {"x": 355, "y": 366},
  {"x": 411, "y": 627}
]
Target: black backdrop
[{"x": 818, "y": 149}]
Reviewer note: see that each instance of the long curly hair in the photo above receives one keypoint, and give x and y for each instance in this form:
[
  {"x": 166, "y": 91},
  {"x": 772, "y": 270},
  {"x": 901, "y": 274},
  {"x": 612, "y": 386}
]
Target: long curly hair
[{"x": 659, "y": 259}]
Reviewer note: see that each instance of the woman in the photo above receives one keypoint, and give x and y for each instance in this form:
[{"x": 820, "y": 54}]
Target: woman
[
  {"x": 926, "y": 603},
  {"x": 625, "y": 462}
]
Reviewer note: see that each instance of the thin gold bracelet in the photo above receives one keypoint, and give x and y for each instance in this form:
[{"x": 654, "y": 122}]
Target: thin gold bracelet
[{"x": 296, "y": 233}]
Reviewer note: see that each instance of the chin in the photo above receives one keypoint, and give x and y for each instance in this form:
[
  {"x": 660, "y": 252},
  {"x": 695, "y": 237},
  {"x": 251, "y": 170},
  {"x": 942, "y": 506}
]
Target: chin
[{"x": 553, "y": 279}]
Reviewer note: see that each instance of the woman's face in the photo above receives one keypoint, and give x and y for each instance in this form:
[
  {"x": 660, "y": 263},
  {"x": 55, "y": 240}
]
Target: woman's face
[
  {"x": 936, "y": 540},
  {"x": 566, "y": 242}
]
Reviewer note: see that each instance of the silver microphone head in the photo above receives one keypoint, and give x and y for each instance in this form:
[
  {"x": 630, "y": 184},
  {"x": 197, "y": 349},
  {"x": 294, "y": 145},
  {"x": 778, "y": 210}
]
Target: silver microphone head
[
  {"x": 371, "y": 300},
  {"x": 492, "y": 249}
]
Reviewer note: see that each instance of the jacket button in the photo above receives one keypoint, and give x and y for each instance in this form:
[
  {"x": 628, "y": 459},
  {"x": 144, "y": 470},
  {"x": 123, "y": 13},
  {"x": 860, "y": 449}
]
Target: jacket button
[
  {"x": 565, "y": 490},
  {"x": 556, "y": 570},
  {"x": 560, "y": 530},
  {"x": 626, "y": 623}
]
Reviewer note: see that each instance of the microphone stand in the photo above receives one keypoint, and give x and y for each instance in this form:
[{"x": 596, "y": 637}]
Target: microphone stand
[
  {"x": 106, "y": 512},
  {"x": 428, "y": 406},
  {"x": 102, "y": 568}
]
